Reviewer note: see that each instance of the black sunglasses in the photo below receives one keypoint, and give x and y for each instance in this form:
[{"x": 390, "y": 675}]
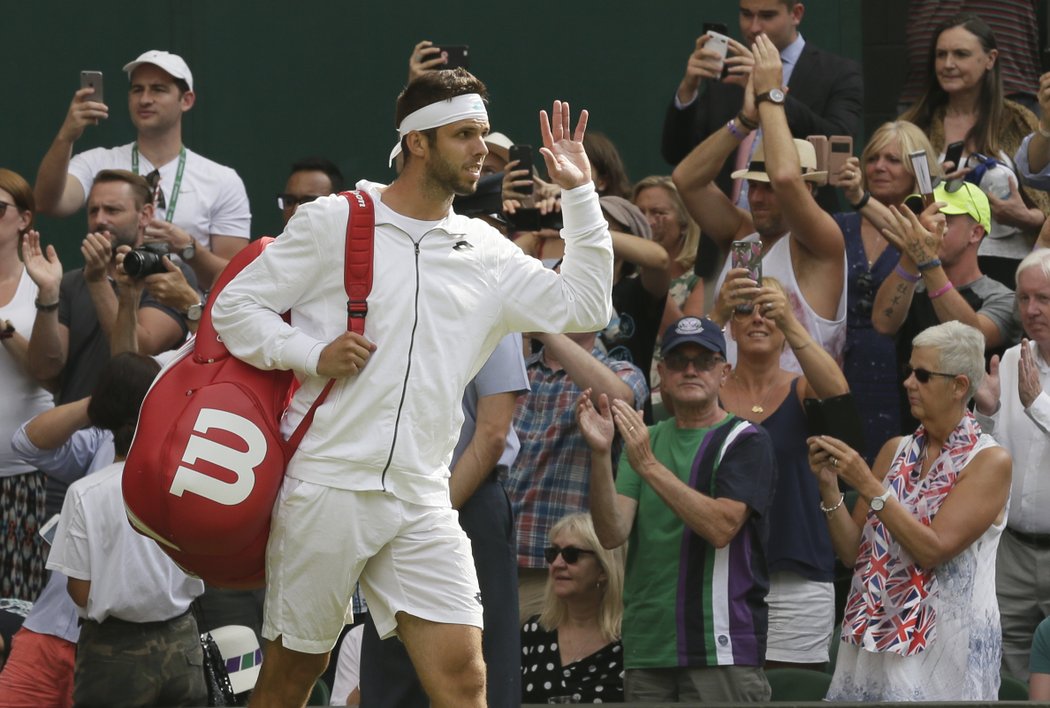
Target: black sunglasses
[
  {"x": 287, "y": 201},
  {"x": 3, "y": 208},
  {"x": 571, "y": 554},
  {"x": 676, "y": 361},
  {"x": 923, "y": 375}
]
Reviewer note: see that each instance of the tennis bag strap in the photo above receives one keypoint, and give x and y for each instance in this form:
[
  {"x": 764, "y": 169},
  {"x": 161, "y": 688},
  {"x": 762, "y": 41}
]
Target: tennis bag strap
[{"x": 357, "y": 280}]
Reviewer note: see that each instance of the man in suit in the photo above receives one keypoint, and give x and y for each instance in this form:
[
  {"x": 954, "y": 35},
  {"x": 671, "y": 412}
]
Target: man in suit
[{"x": 825, "y": 91}]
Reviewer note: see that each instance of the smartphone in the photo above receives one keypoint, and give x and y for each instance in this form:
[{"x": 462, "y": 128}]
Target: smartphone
[
  {"x": 93, "y": 80},
  {"x": 820, "y": 146},
  {"x": 457, "y": 55},
  {"x": 523, "y": 154},
  {"x": 718, "y": 40},
  {"x": 920, "y": 164},
  {"x": 47, "y": 531},
  {"x": 748, "y": 254},
  {"x": 837, "y": 417},
  {"x": 840, "y": 149},
  {"x": 954, "y": 153}
]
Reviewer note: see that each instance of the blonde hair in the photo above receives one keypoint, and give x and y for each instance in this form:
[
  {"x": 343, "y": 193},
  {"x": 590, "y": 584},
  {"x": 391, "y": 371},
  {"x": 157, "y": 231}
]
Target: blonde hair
[
  {"x": 690, "y": 230},
  {"x": 610, "y": 614},
  {"x": 910, "y": 138}
]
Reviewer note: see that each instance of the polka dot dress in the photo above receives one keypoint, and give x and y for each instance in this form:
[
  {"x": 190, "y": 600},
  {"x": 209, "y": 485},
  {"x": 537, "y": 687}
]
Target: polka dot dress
[{"x": 597, "y": 678}]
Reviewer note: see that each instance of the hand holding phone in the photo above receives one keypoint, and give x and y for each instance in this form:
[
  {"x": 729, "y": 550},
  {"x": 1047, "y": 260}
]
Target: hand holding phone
[
  {"x": 718, "y": 42},
  {"x": 455, "y": 56},
  {"x": 523, "y": 154},
  {"x": 840, "y": 149},
  {"x": 93, "y": 81},
  {"x": 953, "y": 154},
  {"x": 748, "y": 254}
]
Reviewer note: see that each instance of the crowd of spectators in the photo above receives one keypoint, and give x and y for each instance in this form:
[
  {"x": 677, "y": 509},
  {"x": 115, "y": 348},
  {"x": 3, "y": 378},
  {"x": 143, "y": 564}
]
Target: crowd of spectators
[{"x": 659, "y": 509}]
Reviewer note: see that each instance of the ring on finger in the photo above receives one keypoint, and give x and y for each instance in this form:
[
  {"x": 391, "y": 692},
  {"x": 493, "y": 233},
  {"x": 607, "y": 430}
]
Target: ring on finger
[{"x": 834, "y": 462}]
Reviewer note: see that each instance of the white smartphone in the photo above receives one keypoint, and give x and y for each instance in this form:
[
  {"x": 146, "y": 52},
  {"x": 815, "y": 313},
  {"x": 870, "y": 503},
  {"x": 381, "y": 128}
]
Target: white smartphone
[
  {"x": 47, "y": 531},
  {"x": 719, "y": 43}
]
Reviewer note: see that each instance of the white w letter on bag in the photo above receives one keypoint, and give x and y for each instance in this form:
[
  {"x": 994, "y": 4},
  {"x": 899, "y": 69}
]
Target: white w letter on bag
[{"x": 240, "y": 463}]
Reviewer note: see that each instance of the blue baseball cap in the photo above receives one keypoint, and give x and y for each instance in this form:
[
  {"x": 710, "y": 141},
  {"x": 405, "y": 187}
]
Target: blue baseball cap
[{"x": 694, "y": 330}]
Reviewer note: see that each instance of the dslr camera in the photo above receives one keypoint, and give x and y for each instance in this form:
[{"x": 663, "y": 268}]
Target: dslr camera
[{"x": 147, "y": 259}]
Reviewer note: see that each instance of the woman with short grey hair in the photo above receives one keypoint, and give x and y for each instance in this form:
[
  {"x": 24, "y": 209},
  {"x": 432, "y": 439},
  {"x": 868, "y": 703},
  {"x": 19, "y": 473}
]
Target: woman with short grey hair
[{"x": 922, "y": 620}]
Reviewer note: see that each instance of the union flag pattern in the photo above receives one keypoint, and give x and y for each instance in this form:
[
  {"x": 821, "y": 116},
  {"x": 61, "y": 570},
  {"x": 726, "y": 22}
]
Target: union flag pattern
[{"x": 888, "y": 609}]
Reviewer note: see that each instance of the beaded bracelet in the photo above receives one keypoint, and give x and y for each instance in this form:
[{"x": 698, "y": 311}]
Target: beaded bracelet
[
  {"x": 928, "y": 265},
  {"x": 734, "y": 131},
  {"x": 829, "y": 510},
  {"x": 745, "y": 121},
  {"x": 941, "y": 290},
  {"x": 905, "y": 275}
]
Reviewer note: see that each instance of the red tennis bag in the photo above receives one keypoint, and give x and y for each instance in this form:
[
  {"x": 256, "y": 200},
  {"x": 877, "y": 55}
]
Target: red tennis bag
[{"x": 208, "y": 457}]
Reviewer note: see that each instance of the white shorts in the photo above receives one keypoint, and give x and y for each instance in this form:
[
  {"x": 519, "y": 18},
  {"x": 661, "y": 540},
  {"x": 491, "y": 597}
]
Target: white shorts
[
  {"x": 408, "y": 558},
  {"x": 801, "y": 619}
]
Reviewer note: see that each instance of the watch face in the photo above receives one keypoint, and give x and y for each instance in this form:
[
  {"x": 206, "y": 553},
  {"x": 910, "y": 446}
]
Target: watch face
[
  {"x": 188, "y": 253},
  {"x": 776, "y": 96},
  {"x": 877, "y": 503},
  {"x": 193, "y": 312}
]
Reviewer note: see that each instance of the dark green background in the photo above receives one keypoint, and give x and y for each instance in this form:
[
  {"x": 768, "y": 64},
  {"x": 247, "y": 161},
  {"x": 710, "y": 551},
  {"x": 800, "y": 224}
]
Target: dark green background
[{"x": 276, "y": 81}]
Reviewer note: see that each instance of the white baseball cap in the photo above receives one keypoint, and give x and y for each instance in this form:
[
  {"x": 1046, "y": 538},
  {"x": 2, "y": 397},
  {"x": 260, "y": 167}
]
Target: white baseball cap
[{"x": 171, "y": 63}]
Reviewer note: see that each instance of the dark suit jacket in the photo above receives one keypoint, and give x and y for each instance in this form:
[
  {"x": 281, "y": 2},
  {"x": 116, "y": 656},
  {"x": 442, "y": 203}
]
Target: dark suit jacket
[{"x": 825, "y": 97}]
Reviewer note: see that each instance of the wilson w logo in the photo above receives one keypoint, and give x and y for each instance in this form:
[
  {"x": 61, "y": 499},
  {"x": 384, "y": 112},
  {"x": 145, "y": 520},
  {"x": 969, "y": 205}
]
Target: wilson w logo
[{"x": 241, "y": 463}]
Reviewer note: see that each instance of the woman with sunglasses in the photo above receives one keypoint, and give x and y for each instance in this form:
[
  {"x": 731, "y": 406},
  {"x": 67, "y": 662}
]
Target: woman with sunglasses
[
  {"x": 883, "y": 175},
  {"x": 801, "y": 562},
  {"x": 572, "y": 649},
  {"x": 922, "y": 620},
  {"x": 964, "y": 102},
  {"x": 22, "y": 553}
]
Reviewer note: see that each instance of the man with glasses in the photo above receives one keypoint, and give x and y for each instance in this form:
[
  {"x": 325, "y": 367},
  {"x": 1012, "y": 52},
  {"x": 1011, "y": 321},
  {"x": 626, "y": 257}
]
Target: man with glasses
[
  {"x": 939, "y": 279},
  {"x": 201, "y": 206},
  {"x": 691, "y": 497},
  {"x": 310, "y": 178}
]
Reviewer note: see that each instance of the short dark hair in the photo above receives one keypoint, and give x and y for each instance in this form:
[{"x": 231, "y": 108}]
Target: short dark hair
[
  {"x": 139, "y": 186},
  {"x": 320, "y": 164},
  {"x": 117, "y": 397},
  {"x": 431, "y": 87}
]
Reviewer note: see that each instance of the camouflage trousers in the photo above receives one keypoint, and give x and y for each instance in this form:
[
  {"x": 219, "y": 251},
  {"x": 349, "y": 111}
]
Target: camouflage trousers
[{"x": 124, "y": 664}]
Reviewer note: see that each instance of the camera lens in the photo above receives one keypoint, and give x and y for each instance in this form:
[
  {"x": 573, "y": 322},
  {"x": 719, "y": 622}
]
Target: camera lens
[{"x": 141, "y": 262}]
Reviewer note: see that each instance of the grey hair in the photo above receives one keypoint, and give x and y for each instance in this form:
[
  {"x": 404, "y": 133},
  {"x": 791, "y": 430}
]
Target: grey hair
[
  {"x": 1039, "y": 258},
  {"x": 960, "y": 350}
]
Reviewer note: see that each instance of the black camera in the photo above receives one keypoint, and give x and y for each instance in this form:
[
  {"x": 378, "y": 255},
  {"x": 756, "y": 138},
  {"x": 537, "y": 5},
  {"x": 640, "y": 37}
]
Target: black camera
[{"x": 147, "y": 259}]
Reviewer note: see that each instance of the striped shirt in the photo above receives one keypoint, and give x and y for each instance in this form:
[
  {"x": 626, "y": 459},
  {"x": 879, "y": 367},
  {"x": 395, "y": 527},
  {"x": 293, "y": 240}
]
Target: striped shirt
[
  {"x": 687, "y": 603},
  {"x": 1013, "y": 23},
  {"x": 551, "y": 476}
]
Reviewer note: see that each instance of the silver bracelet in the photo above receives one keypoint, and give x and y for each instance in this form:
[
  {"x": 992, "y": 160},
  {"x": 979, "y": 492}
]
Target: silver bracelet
[{"x": 828, "y": 511}]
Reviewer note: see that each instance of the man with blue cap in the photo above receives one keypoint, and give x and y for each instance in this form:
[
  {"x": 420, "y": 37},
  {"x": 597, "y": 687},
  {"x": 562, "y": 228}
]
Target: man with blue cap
[
  {"x": 938, "y": 278},
  {"x": 691, "y": 496}
]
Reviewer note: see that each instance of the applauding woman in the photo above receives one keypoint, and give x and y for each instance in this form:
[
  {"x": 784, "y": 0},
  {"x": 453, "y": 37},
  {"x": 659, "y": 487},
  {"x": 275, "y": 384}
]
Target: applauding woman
[{"x": 922, "y": 622}]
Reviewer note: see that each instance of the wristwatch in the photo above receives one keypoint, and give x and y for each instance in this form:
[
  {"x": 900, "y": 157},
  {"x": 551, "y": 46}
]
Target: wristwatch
[
  {"x": 187, "y": 253},
  {"x": 877, "y": 503},
  {"x": 776, "y": 96},
  {"x": 194, "y": 312}
]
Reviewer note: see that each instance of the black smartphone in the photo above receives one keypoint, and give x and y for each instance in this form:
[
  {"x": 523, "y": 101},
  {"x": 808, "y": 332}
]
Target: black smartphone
[
  {"x": 456, "y": 55},
  {"x": 523, "y": 154},
  {"x": 92, "y": 80},
  {"x": 718, "y": 27},
  {"x": 836, "y": 417},
  {"x": 954, "y": 153}
]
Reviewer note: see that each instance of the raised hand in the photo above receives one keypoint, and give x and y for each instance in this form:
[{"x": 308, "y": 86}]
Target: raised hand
[
  {"x": 43, "y": 267},
  {"x": 737, "y": 289},
  {"x": 425, "y": 57},
  {"x": 848, "y": 179},
  {"x": 82, "y": 112},
  {"x": 98, "y": 252},
  {"x": 171, "y": 288},
  {"x": 911, "y": 237},
  {"x": 987, "y": 395},
  {"x": 768, "y": 72},
  {"x": 1028, "y": 384},
  {"x": 562, "y": 150},
  {"x": 596, "y": 424},
  {"x": 635, "y": 435},
  {"x": 740, "y": 62}
]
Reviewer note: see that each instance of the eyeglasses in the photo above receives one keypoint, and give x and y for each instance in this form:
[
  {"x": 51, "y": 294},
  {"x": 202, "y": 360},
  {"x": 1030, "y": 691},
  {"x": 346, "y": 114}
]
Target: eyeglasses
[
  {"x": 289, "y": 201},
  {"x": 742, "y": 313},
  {"x": 153, "y": 180},
  {"x": 4, "y": 206},
  {"x": 923, "y": 375},
  {"x": 676, "y": 361},
  {"x": 570, "y": 554}
]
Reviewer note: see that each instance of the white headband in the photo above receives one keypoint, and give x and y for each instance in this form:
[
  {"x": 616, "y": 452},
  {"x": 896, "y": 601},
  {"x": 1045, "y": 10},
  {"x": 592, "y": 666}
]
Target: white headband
[{"x": 462, "y": 107}]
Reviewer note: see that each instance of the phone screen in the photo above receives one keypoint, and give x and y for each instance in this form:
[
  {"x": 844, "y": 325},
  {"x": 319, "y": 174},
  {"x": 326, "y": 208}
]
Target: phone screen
[{"x": 523, "y": 154}]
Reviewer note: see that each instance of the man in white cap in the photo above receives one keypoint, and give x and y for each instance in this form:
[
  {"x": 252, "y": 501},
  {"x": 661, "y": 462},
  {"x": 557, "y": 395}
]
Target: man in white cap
[
  {"x": 802, "y": 246},
  {"x": 366, "y": 497},
  {"x": 202, "y": 207}
]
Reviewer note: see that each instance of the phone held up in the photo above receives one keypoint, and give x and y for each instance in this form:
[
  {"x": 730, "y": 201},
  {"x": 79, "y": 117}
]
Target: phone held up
[
  {"x": 718, "y": 40},
  {"x": 840, "y": 149},
  {"x": 747, "y": 254},
  {"x": 92, "y": 80},
  {"x": 456, "y": 56}
]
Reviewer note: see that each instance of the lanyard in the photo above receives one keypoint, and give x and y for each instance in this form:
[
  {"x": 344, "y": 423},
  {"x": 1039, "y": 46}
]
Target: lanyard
[{"x": 169, "y": 212}]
